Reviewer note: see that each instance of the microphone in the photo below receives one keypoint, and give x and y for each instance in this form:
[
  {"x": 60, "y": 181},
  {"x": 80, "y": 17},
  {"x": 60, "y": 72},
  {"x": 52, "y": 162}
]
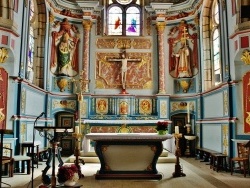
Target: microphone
[{"x": 40, "y": 115}]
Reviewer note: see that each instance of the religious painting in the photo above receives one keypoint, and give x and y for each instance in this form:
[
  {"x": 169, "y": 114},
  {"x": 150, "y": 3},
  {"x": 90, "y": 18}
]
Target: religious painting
[
  {"x": 64, "y": 49},
  {"x": 3, "y": 97},
  {"x": 66, "y": 120},
  {"x": 145, "y": 106},
  {"x": 123, "y": 107},
  {"x": 67, "y": 146},
  {"x": 183, "y": 52},
  {"x": 101, "y": 106},
  {"x": 110, "y": 72},
  {"x": 246, "y": 103}
]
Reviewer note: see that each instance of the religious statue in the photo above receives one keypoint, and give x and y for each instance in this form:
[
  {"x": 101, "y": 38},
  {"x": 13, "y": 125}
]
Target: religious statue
[
  {"x": 64, "y": 50},
  {"x": 124, "y": 60},
  {"x": 183, "y": 62}
]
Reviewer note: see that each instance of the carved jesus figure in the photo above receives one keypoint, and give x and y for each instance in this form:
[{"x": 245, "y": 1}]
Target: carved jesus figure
[{"x": 124, "y": 60}]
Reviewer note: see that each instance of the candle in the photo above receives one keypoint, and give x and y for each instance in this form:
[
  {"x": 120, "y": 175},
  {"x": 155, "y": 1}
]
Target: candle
[
  {"x": 188, "y": 113},
  {"x": 176, "y": 129},
  {"x": 77, "y": 129}
]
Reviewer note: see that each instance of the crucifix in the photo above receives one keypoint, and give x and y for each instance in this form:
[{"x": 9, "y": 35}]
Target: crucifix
[{"x": 124, "y": 60}]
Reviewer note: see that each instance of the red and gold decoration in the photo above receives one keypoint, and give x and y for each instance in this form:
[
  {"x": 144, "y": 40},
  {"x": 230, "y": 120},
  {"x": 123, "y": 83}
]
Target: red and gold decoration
[
  {"x": 145, "y": 106},
  {"x": 246, "y": 99},
  {"x": 179, "y": 35},
  {"x": 108, "y": 74},
  {"x": 124, "y": 108},
  {"x": 101, "y": 106},
  {"x": 3, "y": 97}
]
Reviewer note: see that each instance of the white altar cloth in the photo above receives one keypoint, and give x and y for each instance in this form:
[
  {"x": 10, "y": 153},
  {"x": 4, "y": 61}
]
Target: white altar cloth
[
  {"x": 127, "y": 136},
  {"x": 128, "y": 155}
]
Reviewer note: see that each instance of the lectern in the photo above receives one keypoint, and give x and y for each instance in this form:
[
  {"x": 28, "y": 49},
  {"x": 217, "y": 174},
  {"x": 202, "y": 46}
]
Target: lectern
[{"x": 51, "y": 134}]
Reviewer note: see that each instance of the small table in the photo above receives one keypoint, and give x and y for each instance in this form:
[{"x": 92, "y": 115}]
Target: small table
[{"x": 128, "y": 155}]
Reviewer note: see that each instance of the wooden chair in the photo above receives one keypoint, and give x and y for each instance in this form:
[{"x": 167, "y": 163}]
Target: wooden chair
[
  {"x": 8, "y": 161},
  {"x": 242, "y": 159}
]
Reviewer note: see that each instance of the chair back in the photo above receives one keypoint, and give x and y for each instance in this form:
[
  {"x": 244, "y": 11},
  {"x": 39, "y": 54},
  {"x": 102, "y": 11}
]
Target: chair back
[
  {"x": 243, "y": 152},
  {"x": 7, "y": 155}
]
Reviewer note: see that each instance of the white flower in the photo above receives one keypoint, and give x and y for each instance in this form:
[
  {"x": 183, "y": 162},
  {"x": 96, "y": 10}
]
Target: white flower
[{"x": 75, "y": 177}]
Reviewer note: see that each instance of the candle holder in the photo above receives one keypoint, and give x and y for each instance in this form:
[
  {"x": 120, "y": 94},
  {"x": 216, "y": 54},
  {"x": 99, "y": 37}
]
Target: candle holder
[
  {"x": 178, "y": 170},
  {"x": 78, "y": 137}
]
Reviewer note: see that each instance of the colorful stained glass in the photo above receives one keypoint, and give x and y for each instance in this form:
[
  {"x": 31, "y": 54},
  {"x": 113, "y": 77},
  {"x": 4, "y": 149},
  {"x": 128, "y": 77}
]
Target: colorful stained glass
[
  {"x": 133, "y": 21},
  {"x": 115, "y": 21}
]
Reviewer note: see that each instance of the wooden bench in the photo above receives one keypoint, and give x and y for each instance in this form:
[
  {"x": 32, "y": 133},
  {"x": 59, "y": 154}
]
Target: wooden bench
[
  {"x": 215, "y": 159},
  {"x": 205, "y": 154}
]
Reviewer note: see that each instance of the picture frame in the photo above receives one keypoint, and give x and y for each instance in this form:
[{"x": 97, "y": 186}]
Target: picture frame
[{"x": 65, "y": 121}]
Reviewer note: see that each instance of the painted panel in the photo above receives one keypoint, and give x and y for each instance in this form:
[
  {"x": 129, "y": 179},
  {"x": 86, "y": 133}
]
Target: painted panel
[
  {"x": 211, "y": 103},
  {"x": 212, "y": 137}
]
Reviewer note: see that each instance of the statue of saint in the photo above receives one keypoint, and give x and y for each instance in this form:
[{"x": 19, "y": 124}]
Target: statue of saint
[
  {"x": 64, "y": 50},
  {"x": 182, "y": 62}
]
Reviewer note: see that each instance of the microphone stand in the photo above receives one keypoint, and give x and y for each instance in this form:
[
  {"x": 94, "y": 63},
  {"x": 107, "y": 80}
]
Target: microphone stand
[{"x": 32, "y": 150}]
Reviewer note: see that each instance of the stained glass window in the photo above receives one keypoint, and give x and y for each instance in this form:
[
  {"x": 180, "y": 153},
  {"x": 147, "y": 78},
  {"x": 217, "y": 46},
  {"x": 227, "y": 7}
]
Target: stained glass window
[
  {"x": 133, "y": 21},
  {"x": 124, "y": 18},
  {"x": 29, "y": 72},
  {"x": 217, "y": 76}
]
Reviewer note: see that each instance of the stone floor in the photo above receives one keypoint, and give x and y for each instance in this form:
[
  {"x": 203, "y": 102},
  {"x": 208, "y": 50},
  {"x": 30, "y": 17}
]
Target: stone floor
[{"x": 198, "y": 175}]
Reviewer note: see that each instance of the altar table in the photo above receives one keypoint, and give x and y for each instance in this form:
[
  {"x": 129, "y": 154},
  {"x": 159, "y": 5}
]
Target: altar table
[{"x": 128, "y": 155}]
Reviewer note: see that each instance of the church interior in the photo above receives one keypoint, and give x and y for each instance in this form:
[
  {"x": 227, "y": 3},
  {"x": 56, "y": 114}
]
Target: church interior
[{"x": 122, "y": 67}]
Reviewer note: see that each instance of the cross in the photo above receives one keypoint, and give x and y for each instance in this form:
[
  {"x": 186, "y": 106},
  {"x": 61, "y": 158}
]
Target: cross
[
  {"x": 124, "y": 60},
  {"x": 184, "y": 35}
]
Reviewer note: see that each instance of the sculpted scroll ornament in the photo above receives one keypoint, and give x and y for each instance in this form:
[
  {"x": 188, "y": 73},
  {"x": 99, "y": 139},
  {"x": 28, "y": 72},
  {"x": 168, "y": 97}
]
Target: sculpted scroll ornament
[
  {"x": 246, "y": 57},
  {"x": 3, "y": 55}
]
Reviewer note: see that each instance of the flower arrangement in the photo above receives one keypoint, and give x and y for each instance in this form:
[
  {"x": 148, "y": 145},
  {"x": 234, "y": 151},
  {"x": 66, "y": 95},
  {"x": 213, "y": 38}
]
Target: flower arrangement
[
  {"x": 162, "y": 126},
  {"x": 67, "y": 172}
]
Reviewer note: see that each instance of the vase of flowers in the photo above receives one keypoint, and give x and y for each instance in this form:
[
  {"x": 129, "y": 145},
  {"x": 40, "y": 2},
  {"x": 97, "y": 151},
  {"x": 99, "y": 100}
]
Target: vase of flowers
[
  {"x": 162, "y": 127},
  {"x": 68, "y": 175}
]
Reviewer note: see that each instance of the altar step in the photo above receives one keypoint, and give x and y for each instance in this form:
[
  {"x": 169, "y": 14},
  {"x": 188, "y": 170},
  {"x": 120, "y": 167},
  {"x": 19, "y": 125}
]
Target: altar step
[{"x": 90, "y": 157}]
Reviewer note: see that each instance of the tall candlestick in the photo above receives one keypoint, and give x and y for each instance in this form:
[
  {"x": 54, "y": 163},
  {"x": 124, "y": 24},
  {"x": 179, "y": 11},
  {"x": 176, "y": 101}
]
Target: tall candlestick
[
  {"x": 77, "y": 129},
  {"x": 176, "y": 128}
]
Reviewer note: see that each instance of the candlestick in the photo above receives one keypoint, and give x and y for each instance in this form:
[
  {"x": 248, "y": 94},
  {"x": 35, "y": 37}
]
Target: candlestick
[
  {"x": 176, "y": 129},
  {"x": 77, "y": 130}
]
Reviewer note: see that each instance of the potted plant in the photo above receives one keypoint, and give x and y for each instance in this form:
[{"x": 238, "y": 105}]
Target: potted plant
[
  {"x": 68, "y": 174},
  {"x": 162, "y": 127}
]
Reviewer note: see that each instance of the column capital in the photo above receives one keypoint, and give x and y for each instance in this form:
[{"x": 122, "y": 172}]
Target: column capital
[
  {"x": 160, "y": 26},
  {"x": 87, "y": 24}
]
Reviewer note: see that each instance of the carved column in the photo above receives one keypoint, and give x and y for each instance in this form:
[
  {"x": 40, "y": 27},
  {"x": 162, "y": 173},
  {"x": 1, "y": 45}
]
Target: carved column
[
  {"x": 87, "y": 25},
  {"x": 160, "y": 26},
  {"x": 160, "y": 9}
]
